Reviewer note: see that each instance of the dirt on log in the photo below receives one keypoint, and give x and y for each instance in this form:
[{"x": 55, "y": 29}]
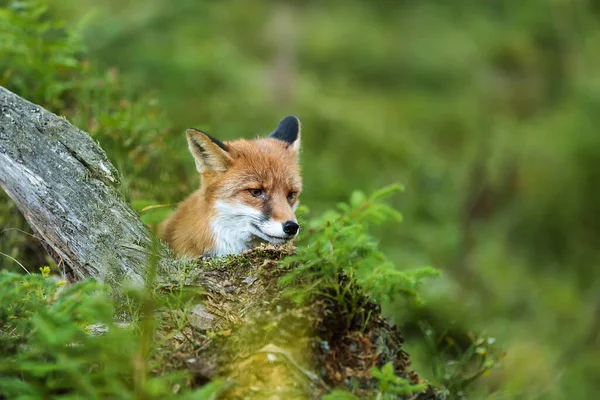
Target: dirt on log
[{"x": 245, "y": 330}]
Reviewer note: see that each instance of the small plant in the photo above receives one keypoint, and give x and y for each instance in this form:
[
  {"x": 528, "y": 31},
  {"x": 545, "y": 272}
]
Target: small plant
[
  {"x": 338, "y": 259},
  {"x": 457, "y": 364},
  {"x": 389, "y": 386}
]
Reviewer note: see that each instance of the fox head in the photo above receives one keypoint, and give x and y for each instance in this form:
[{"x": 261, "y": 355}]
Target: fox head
[{"x": 251, "y": 187}]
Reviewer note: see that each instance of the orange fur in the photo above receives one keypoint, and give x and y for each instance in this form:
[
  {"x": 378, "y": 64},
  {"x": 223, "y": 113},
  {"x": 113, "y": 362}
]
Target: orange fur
[{"x": 269, "y": 164}]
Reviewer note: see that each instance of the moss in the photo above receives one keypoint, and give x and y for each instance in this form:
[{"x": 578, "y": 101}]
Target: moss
[{"x": 241, "y": 326}]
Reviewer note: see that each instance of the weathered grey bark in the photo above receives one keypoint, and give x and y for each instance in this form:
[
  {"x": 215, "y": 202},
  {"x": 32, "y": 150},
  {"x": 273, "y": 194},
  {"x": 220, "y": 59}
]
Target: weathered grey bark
[{"x": 66, "y": 188}]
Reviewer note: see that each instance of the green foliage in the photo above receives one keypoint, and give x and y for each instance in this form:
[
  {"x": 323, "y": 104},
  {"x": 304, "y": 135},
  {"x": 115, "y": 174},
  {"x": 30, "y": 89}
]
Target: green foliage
[
  {"x": 40, "y": 58},
  {"x": 339, "y": 395},
  {"x": 62, "y": 341},
  {"x": 457, "y": 367},
  {"x": 339, "y": 259},
  {"x": 390, "y": 386},
  {"x": 338, "y": 252}
]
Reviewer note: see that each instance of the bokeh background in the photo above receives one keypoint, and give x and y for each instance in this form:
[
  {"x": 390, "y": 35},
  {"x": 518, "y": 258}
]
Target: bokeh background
[{"x": 487, "y": 111}]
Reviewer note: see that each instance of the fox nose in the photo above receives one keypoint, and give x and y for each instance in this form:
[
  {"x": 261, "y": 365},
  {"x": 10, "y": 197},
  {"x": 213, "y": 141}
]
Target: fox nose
[{"x": 290, "y": 227}]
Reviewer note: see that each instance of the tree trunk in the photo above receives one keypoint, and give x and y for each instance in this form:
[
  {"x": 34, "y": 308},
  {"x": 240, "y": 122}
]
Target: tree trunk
[{"x": 67, "y": 189}]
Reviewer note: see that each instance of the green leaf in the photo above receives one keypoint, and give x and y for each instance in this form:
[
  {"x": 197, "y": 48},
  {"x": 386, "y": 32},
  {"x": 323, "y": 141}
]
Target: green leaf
[
  {"x": 338, "y": 394},
  {"x": 357, "y": 198}
]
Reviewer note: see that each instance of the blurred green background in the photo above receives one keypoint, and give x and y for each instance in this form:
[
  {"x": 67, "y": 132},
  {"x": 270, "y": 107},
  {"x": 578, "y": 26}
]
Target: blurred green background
[{"x": 487, "y": 111}]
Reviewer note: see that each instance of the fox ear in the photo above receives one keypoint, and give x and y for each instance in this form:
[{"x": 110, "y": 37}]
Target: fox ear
[
  {"x": 288, "y": 131},
  {"x": 210, "y": 154}
]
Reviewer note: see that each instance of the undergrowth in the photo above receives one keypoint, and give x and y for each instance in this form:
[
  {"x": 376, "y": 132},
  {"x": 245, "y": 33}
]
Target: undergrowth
[
  {"x": 457, "y": 364},
  {"x": 338, "y": 251},
  {"x": 340, "y": 260},
  {"x": 390, "y": 386},
  {"x": 62, "y": 342}
]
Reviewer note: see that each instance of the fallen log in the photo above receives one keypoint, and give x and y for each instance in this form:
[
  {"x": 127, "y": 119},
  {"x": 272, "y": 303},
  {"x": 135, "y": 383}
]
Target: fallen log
[
  {"x": 66, "y": 188},
  {"x": 245, "y": 330}
]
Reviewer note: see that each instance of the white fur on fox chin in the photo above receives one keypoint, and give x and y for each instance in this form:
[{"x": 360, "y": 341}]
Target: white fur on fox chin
[{"x": 234, "y": 228}]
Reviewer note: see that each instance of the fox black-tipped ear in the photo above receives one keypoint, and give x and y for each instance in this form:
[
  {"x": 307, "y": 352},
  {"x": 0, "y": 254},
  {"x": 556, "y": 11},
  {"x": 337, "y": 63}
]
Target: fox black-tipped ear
[
  {"x": 209, "y": 153},
  {"x": 288, "y": 131}
]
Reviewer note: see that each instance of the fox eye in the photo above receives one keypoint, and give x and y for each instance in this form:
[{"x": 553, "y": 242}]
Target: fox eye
[
  {"x": 291, "y": 196},
  {"x": 256, "y": 192}
]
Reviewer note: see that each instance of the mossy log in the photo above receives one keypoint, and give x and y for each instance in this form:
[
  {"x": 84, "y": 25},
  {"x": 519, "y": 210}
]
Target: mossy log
[{"x": 245, "y": 331}]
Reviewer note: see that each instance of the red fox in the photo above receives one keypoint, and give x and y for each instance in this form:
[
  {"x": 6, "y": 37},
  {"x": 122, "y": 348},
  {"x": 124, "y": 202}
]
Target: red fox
[{"x": 248, "y": 194}]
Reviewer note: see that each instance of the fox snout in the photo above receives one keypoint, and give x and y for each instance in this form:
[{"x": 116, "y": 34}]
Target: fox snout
[
  {"x": 274, "y": 231},
  {"x": 290, "y": 228}
]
